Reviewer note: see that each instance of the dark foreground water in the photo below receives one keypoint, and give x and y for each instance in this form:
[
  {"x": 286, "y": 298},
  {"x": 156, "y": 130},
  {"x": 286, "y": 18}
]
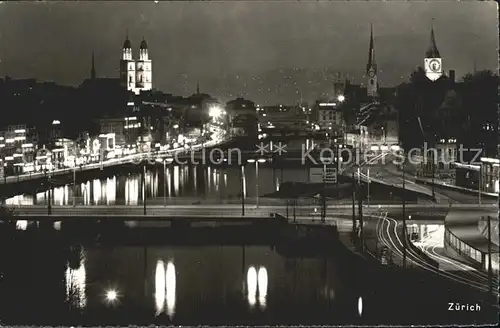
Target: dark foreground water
[{"x": 48, "y": 282}]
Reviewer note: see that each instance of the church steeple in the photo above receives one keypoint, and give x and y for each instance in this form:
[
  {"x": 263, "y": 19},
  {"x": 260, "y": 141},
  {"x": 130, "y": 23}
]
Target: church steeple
[
  {"x": 433, "y": 63},
  {"x": 92, "y": 70},
  {"x": 127, "y": 48},
  {"x": 371, "y": 53},
  {"x": 433, "y": 51},
  {"x": 371, "y": 69}
]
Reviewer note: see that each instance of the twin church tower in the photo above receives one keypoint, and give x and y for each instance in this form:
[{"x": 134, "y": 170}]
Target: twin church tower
[
  {"x": 432, "y": 65},
  {"x": 136, "y": 75}
]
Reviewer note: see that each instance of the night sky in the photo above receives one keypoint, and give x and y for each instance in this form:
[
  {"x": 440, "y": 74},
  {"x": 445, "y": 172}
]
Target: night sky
[{"x": 270, "y": 52}]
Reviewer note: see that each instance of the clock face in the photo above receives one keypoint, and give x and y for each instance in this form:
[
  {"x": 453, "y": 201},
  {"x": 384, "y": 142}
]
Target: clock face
[
  {"x": 434, "y": 65},
  {"x": 371, "y": 73}
]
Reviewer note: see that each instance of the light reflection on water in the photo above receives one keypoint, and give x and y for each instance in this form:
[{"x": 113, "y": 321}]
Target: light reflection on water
[
  {"x": 160, "y": 287},
  {"x": 170, "y": 271},
  {"x": 257, "y": 287},
  {"x": 165, "y": 288},
  {"x": 170, "y": 282},
  {"x": 76, "y": 280},
  {"x": 21, "y": 224},
  {"x": 178, "y": 181},
  {"x": 262, "y": 286},
  {"x": 252, "y": 286}
]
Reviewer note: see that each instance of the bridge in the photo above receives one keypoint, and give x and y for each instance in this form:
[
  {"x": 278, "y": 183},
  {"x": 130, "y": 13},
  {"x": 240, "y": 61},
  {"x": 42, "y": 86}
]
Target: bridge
[{"x": 221, "y": 210}]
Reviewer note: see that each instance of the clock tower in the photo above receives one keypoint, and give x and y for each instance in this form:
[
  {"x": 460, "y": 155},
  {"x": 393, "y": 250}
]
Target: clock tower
[
  {"x": 371, "y": 69},
  {"x": 433, "y": 63}
]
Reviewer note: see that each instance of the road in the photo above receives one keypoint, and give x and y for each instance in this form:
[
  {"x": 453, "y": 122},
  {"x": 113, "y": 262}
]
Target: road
[
  {"x": 389, "y": 232},
  {"x": 383, "y": 170},
  {"x": 218, "y": 138},
  {"x": 377, "y": 169}
]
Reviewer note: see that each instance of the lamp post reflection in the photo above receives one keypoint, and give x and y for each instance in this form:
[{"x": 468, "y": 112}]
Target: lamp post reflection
[
  {"x": 171, "y": 282},
  {"x": 252, "y": 286},
  {"x": 257, "y": 286},
  {"x": 160, "y": 287},
  {"x": 111, "y": 295},
  {"x": 165, "y": 288},
  {"x": 262, "y": 286}
]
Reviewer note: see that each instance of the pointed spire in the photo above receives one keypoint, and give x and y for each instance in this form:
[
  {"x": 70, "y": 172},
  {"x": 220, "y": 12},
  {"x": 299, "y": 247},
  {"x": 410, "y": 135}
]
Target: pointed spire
[
  {"x": 198, "y": 87},
  {"x": 92, "y": 70},
  {"x": 432, "y": 52},
  {"x": 371, "y": 52},
  {"x": 144, "y": 45},
  {"x": 474, "y": 69},
  {"x": 127, "y": 44}
]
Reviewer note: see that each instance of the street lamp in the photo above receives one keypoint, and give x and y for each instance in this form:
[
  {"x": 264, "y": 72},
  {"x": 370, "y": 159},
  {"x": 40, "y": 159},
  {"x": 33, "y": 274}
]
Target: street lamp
[
  {"x": 368, "y": 185},
  {"x": 111, "y": 296},
  {"x": 260, "y": 160},
  {"x": 341, "y": 98},
  {"x": 215, "y": 111}
]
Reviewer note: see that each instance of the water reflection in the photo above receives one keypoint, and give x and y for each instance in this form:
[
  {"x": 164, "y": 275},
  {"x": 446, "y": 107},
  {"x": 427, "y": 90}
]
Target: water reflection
[
  {"x": 76, "y": 284},
  {"x": 165, "y": 288},
  {"x": 169, "y": 183},
  {"x": 252, "y": 286},
  {"x": 97, "y": 191},
  {"x": 170, "y": 280},
  {"x": 180, "y": 181},
  {"x": 132, "y": 191},
  {"x": 85, "y": 187},
  {"x": 160, "y": 286},
  {"x": 262, "y": 286},
  {"x": 257, "y": 287},
  {"x": 176, "y": 180},
  {"x": 21, "y": 224},
  {"x": 111, "y": 191},
  {"x": 61, "y": 195}
]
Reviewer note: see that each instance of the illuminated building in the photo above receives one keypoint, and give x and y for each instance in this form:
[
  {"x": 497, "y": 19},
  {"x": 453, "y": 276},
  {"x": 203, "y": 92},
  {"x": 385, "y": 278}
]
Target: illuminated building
[
  {"x": 136, "y": 75},
  {"x": 329, "y": 117}
]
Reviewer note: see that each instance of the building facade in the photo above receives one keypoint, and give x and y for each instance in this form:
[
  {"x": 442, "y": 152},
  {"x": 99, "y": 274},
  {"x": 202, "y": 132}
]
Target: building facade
[{"x": 330, "y": 118}]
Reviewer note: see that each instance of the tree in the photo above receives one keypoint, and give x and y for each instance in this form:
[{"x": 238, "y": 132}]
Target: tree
[
  {"x": 479, "y": 112},
  {"x": 418, "y": 102}
]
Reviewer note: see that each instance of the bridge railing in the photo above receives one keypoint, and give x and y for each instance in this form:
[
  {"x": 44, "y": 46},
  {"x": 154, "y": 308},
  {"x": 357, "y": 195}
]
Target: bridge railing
[
  {"x": 306, "y": 205},
  {"x": 137, "y": 213}
]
